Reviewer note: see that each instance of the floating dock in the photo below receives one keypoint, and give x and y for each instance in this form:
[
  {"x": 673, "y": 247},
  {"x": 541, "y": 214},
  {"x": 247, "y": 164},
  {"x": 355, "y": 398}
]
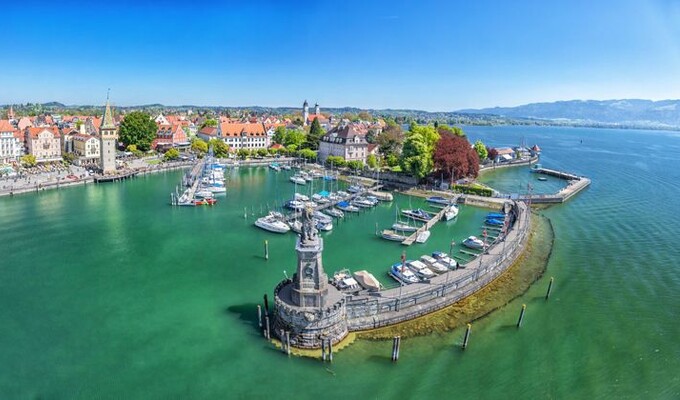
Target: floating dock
[{"x": 429, "y": 224}]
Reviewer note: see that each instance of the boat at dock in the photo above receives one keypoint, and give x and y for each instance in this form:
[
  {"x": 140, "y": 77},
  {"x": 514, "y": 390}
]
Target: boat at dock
[
  {"x": 298, "y": 180},
  {"x": 402, "y": 227},
  {"x": 295, "y": 226},
  {"x": 420, "y": 269},
  {"x": 325, "y": 226},
  {"x": 346, "y": 207},
  {"x": 495, "y": 216},
  {"x": 403, "y": 274},
  {"x": 419, "y": 214},
  {"x": 367, "y": 281},
  {"x": 286, "y": 167},
  {"x": 355, "y": 189},
  {"x": 272, "y": 223},
  {"x": 334, "y": 212},
  {"x": 392, "y": 235},
  {"x": 343, "y": 280},
  {"x": 451, "y": 212},
  {"x": 296, "y": 205},
  {"x": 362, "y": 202},
  {"x": 494, "y": 222},
  {"x": 433, "y": 264},
  {"x": 473, "y": 242},
  {"x": 382, "y": 196},
  {"x": 444, "y": 259},
  {"x": 422, "y": 236},
  {"x": 438, "y": 200}
]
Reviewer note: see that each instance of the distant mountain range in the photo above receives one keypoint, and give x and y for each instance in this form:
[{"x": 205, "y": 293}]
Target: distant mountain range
[{"x": 628, "y": 112}]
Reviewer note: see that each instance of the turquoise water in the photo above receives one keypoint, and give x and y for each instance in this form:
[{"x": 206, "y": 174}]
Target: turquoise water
[{"x": 108, "y": 292}]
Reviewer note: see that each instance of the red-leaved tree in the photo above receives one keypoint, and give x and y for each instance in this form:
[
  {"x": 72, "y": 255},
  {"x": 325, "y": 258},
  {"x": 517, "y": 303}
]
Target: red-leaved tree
[{"x": 454, "y": 158}]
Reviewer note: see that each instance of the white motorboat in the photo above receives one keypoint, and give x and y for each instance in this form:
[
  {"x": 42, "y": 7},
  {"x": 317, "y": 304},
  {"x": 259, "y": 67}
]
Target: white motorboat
[
  {"x": 403, "y": 274},
  {"x": 203, "y": 194},
  {"x": 275, "y": 167},
  {"x": 402, "y": 227},
  {"x": 325, "y": 226},
  {"x": 295, "y": 205},
  {"x": 316, "y": 174},
  {"x": 362, "y": 202},
  {"x": 474, "y": 243},
  {"x": 422, "y": 236},
  {"x": 298, "y": 180},
  {"x": 433, "y": 264},
  {"x": 300, "y": 197},
  {"x": 320, "y": 199},
  {"x": 420, "y": 269},
  {"x": 450, "y": 213},
  {"x": 372, "y": 199},
  {"x": 355, "y": 189},
  {"x": 342, "y": 194},
  {"x": 343, "y": 280},
  {"x": 334, "y": 212},
  {"x": 367, "y": 280},
  {"x": 286, "y": 167},
  {"x": 272, "y": 224},
  {"x": 392, "y": 235},
  {"x": 445, "y": 260},
  {"x": 418, "y": 214},
  {"x": 322, "y": 217}
]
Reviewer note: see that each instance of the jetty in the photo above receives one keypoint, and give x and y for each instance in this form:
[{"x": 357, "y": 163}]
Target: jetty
[
  {"x": 116, "y": 177},
  {"x": 298, "y": 214},
  {"x": 429, "y": 224},
  {"x": 576, "y": 184}
]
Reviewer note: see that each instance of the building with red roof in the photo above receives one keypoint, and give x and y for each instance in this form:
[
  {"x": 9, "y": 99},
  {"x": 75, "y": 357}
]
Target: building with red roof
[
  {"x": 11, "y": 142},
  {"x": 44, "y": 143},
  {"x": 238, "y": 135}
]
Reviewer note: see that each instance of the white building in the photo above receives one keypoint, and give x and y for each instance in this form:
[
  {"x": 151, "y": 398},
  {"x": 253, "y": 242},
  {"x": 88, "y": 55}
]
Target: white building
[
  {"x": 87, "y": 149},
  {"x": 44, "y": 143},
  {"x": 346, "y": 142},
  {"x": 238, "y": 135},
  {"x": 11, "y": 142}
]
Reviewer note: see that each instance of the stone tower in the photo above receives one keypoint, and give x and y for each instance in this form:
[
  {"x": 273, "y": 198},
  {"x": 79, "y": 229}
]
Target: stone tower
[
  {"x": 308, "y": 309},
  {"x": 107, "y": 138},
  {"x": 310, "y": 282},
  {"x": 316, "y": 109},
  {"x": 10, "y": 113},
  {"x": 305, "y": 113}
]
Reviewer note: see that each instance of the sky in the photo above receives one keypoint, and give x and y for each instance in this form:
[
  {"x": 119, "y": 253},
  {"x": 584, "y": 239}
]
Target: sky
[{"x": 428, "y": 55}]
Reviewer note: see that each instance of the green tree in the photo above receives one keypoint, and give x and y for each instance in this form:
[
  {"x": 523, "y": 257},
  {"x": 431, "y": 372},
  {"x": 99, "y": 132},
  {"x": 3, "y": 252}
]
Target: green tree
[
  {"x": 294, "y": 136},
  {"x": 390, "y": 140},
  {"x": 314, "y": 135},
  {"x": 355, "y": 164},
  {"x": 416, "y": 158},
  {"x": 139, "y": 129},
  {"x": 365, "y": 116},
  {"x": 280, "y": 135},
  {"x": 262, "y": 152},
  {"x": 454, "y": 130},
  {"x": 372, "y": 161},
  {"x": 242, "y": 153},
  {"x": 392, "y": 160},
  {"x": 335, "y": 161},
  {"x": 69, "y": 158},
  {"x": 171, "y": 154},
  {"x": 307, "y": 154},
  {"x": 480, "y": 148},
  {"x": 209, "y": 122},
  {"x": 28, "y": 160},
  {"x": 199, "y": 146},
  {"x": 220, "y": 149},
  {"x": 132, "y": 148}
]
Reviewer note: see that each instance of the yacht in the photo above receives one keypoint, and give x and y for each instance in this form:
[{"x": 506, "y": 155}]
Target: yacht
[
  {"x": 420, "y": 269},
  {"x": 444, "y": 259},
  {"x": 450, "y": 213},
  {"x": 342, "y": 194},
  {"x": 422, "y": 236},
  {"x": 275, "y": 167},
  {"x": 355, "y": 189},
  {"x": 300, "y": 197},
  {"x": 402, "y": 227},
  {"x": 272, "y": 224},
  {"x": 474, "y": 243},
  {"x": 403, "y": 274},
  {"x": 322, "y": 217},
  {"x": 362, "y": 202},
  {"x": 295, "y": 205},
  {"x": 298, "y": 180},
  {"x": 418, "y": 214},
  {"x": 392, "y": 235},
  {"x": 334, "y": 212},
  {"x": 295, "y": 226},
  {"x": 438, "y": 200},
  {"x": 203, "y": 194},
  {"x": 324, "y": 225},
  {"x": 434, "y": 265},
  {"x": 343, "y": 280},
  {"x": 346, "y": 207},
  {"x": 494, "y": 222}
]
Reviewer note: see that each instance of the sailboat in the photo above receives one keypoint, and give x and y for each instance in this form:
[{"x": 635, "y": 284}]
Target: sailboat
[{"x": 401, "y": 226}]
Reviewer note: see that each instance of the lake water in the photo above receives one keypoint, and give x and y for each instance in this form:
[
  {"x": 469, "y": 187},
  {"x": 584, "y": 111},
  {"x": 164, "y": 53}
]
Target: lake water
[{"x": 108, "y": 292}]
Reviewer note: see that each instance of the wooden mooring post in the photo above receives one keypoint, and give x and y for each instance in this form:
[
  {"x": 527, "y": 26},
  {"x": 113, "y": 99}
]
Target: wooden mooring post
[
  {"x": 550, "y": 285},
  {"x": 466, "y": 338},
  {"x": 323, "y": 349},
  {"x": 330, "y": 350},
  {"x": 266, "y": 304},
  {"x": 259, "y": 316},
  {"x": 288, "y": 342},
  {"x": 266, "y": 250},
  {"x": 521, "y": 315},
  {"x": 396, "y": 343},
  {"x": 267, "y": 331}
]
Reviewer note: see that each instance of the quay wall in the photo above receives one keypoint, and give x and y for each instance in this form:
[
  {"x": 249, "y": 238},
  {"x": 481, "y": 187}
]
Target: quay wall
[
  {"x": 516, "y": 163},
  {"x": 408, "y": 302}
]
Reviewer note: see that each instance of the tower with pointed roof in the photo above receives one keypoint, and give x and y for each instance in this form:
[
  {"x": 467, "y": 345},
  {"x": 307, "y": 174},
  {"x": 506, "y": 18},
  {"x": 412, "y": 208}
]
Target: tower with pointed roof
[
  {"x": 316, "y": 109},
  {"x": 10, "y": 114},
  {"x": 108, "y": 135},
  {"x": 305, "y": 112}
]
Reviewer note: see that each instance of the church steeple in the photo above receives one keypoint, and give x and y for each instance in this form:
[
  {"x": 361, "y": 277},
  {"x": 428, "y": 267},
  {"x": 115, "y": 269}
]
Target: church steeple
[
  {"x": 305, "y": 112},
  {"x": 107, "y": 140},
  {"x": 10, "y": 113}
]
